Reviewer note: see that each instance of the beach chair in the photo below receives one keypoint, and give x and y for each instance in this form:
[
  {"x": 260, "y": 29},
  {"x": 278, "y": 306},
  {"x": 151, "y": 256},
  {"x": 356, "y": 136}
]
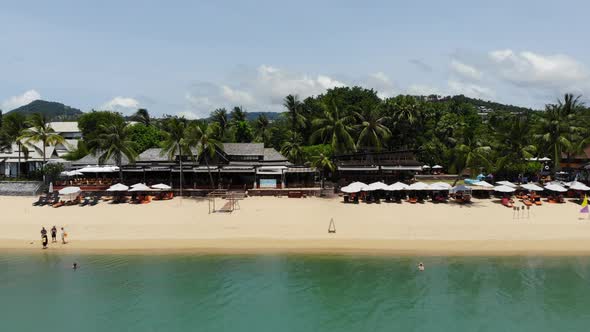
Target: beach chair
[
  {"x": 527, "y": 202},
  {"x": 538, "y": 201},
  {"x": 41, "y": 201},
  {"x": 58, "y": 204},
  {"x": 507, "y": 203},
  {"x": 95, "y": 200}
]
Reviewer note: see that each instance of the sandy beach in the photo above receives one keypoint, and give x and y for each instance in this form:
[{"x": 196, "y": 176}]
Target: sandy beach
[{"x": 268, "y": 224}]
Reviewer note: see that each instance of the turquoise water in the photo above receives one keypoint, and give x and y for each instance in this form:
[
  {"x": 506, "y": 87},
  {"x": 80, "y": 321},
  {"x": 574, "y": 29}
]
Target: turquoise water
[{"x": 40, "y": 292}]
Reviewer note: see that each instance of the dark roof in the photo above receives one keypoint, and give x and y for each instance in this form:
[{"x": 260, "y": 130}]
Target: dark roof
[
  {"x": 244, "y": 149},
  {"x": 270, "y": 154},
  {"x": 153, "y": 154},
  {"x": 93, "y": 160}
]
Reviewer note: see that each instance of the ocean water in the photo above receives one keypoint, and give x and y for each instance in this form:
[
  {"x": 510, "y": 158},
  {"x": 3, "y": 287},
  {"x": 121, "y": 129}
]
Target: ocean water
[{"x": 40, "y": 292}]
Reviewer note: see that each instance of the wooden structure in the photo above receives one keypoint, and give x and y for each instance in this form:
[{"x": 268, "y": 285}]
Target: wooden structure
[{"x": 231, "y": 200}]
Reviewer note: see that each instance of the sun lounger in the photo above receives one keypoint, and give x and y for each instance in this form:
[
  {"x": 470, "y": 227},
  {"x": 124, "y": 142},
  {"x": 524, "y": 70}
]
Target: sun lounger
[
  {"x": 527, "y": 202},
  {"x": 95, "y": 200},
  {"x": 41, "y": 201}
]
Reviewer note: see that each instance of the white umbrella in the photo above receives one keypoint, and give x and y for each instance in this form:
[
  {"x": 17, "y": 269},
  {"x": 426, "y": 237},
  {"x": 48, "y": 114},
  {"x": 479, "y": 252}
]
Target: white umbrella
[
  {"x": 531, "y": 187},
  {"x": 483, "y": 184},
  {"x": 419, "y": 186},
  {"x": 459, "y": 188},
  {"x": 69, "y": 190},
  {"x": 579, "y": 186},
  {"x": 555, "y": 187},
  {"x": 50, "y": 187},
  {"x": 398, "y": 186},
  {"x": 507, "y": 183},
  {"x": 137, "y": 185},
  {"x": 118, "y": 187},
  {"x": 505, "y": 189},
  {"x": 378, "y": 186},
  {"x": 439, "y": 186},
  {"x": 161, "y": 186},
  {"x": 544, "y": 159},
  {"x": 350, "y": 189},
  {"x": 99, "y": 169},
  {"x": 425, "y": 167},
  {"x": 437, "y": 167},
  {"x": 141, "y": 187}
]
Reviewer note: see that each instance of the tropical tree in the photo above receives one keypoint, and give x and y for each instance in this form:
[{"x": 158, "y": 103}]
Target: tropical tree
[
  {"x": 470, "y": 154},
  {"x": 557, "y": 127},
  {"x": 334, "y": 128},
  {"x": 261, "y": 129},
  {"x": 512, "y": 140},
  {"x": 13, "y": 127},
  {"x": 293, "y": 150},
  {"x": 175, "y": 130},
  {"x": 114, "y": 142},
  {"x": 142, "y": 116},
  {"x": 323, "y": 163},
  {"x": 41, "y": 131},
  {"x": 202, "y": 137},
  {"x": 220, "y": 116},
  {"x": 373, "y": 131},
  {"x": 238, "y": 114},
  {"x": 294, "y": 113}
]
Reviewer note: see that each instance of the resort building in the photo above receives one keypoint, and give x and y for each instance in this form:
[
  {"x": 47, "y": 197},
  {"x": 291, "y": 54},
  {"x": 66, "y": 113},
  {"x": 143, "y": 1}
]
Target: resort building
[
  {"x": 237, "y": 166},
  {"x": 368, "y": 167},
  {"x": 30, "y": 156}
]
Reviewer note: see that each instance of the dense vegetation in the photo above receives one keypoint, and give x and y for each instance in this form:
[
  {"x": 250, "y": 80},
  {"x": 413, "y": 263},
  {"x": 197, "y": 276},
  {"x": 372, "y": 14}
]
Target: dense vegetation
[
  {"x": 457, "y": 132},
  {"x": 52, "y": 110}
]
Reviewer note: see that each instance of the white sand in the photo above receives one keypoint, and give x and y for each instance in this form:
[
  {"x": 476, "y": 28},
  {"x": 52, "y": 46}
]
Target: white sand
[{"x": 300, "y": 225}]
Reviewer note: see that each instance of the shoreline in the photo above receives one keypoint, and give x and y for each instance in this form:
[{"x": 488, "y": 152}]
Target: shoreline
[
  {"x": 300, "y": 226},
  {"x": 402, "y": 248}
]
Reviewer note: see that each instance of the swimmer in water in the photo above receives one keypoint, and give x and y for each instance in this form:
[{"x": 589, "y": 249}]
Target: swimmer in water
[
  {"x": 75, "y": 266},
  {"x": 421, "y": 266}
]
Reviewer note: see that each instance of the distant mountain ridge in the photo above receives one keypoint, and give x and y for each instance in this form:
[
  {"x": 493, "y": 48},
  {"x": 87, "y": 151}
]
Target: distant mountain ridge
[
  {"x": 272, "y": 116},
  {"x": 53, "y": 110}
]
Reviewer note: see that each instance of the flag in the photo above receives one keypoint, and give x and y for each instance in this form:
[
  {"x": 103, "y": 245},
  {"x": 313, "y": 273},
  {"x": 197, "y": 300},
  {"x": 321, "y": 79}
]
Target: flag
[{"x": 585, "y": 205}]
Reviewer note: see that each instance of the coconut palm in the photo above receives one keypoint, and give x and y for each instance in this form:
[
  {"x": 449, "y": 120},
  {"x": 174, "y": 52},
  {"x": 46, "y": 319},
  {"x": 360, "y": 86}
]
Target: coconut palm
[
  {"x": 114, "y": 142},
  {"x": 238, "y": 114},
  {"x": 512, "y": 139},
  {"x": 13, "y": 127},
  {"x": 261, "y": 129},
  {"x": 372, "y": 130},
  {"x": 202, "y": 137},
  {"x": 220, "y": 116},
  {"x": 294, "y": 113},
  {"x": 334, "y": 128},
  {"x": 142, "y": 116},
  {"x": 175, "y": 130},
  {"x": 41, "y": 131},
  {"x": 293, "y": 150},
  {"x": 323, "y": 163},
  {"x": 470, "y": 154}
]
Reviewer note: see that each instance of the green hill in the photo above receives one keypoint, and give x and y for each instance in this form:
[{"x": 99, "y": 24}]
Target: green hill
[{"x": 53, "y": 110}]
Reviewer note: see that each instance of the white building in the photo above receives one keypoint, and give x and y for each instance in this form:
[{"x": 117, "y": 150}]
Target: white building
[{"x": 9, "y": 158}]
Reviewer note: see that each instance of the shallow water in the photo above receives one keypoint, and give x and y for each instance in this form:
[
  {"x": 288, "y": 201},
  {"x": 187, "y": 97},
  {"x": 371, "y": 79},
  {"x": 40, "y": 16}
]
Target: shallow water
[{"x": 292, "y": 293}]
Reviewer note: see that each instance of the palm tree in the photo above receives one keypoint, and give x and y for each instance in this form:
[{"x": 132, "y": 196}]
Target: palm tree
[
  {"x": 13, "y": 127},
  {"x": 203, "y": 138},
  {"x": 294, "y": 113},
  {"x": 261, "y": 128},
  {"x": 142, "y": 116},
  {"x": 334, "y": 128},
  {"x": 238, "y": 114},
  {"x": 293, "y": 150},
  {"x": 41, "y": 131},
  {"x": 113, "y": 142},
  {"x": 220, "y": 116},
  {"x": 372, "y": 130},
  {"x": 175, "y": 141},
  {"x": 323, "y": 163},
  {"x": 512, "y": 140},
  {"x": 470, "y": 154},
  {"x": 557, "y": 127}
]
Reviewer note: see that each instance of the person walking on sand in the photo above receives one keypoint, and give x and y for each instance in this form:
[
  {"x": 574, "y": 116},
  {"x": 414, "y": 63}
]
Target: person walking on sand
[
  {"x": 63, "y": 235},
  {"x": 53, "y": 234},
  {"x": 44, "y": 240},
  {"x": 43, "y": 231}
]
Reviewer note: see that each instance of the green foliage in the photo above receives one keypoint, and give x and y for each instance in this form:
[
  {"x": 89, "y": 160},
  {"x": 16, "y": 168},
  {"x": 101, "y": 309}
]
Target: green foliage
[
  {"x": 90, "y": 124},
  {"x": 52, "y": 171},
  {"x": 145, "y": 137},
  {"x": 79, "y": 152},
  {"x": 51, "y": 110},
  {"x": 243, "y": 132}
]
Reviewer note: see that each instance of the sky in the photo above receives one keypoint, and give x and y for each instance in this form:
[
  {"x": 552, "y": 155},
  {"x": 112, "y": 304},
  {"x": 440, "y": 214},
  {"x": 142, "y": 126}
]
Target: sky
[{"x": 190, "y": 57}]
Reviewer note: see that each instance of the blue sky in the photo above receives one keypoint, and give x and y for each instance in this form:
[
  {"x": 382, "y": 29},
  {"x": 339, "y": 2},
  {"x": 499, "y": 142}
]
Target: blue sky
[{"x": 190, "y": 57}]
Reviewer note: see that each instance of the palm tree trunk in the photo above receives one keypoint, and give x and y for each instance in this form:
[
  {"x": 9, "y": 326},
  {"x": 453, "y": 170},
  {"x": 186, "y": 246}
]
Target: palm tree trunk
[
  {"x": 44, "y": 161},
  {"x": 209, "y": 171},
  {"x": 180, "y": 158},
  {"x": 18, "y": 163}
]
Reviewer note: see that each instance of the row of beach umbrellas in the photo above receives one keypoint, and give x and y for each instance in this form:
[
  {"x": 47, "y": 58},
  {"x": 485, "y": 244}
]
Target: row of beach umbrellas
[
  {"x": 119, "y": 187},
  {"x": 356, "y": 187},
  {"x": 508, "y": 187}
]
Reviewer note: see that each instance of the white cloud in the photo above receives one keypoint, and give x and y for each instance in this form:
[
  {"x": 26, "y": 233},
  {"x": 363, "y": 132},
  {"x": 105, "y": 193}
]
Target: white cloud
[
  {"x": 20, "y": 100},
  {"x": 465, "y": 70},
  {"x": 423, "y": 90},
  {"x": 528, "y": 68},
  {"x": 470, "y": 90},
  {"x": 188, "y": 114},
  {"x": 381, "y": 83},
  {"x": 237, "y": 96},
  {"x": 121, "y": 104}
]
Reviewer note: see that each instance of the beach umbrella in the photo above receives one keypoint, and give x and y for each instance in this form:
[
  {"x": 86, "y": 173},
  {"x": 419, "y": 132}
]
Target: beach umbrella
[
  {"x": 50, "y": 187},
  {"x": 425, "y": 167},
  {"x": 459, "y": 188},
  {"x": 378, "y": 186},
  {"x": 483, "y": 184},
  {"x": 350, "y": 189},
  {"x": 531, "y": 187},
  {"x": 398, "y": 186},
  {"x": 439, "y": 186},
  {"x": 69, "y": 190},
  {"x": 137, "y": 185},
  {"x": 419, "y": 186},
  {"x": 544, "y": 159},
  {"x": 161, "y": 186},
  {"x": 504, "y": 189},
  {"x": 507, "y": 183},
  {"x": 575, "y": 185},
  {"x": 361, "y": 186},
  {"x": 141, "y": 187},
  {"x": 555, "y": 187},
  {"x": 118, "y": 187},
  {"x": 437, "y": 167}
]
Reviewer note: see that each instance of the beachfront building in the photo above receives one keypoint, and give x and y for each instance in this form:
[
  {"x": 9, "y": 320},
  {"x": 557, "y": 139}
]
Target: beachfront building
[
  {"x": 372, "y": 166},
  {"x": 237, "y": 166},
  {"x": 30, "y": 157}
]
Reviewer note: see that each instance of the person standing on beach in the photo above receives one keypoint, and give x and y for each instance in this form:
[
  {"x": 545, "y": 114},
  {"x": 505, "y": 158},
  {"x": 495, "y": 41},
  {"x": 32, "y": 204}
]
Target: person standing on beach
[
  {"x": 63, "y": 235},
  {"x": 44, "y": 240},
  {"x": 53, "y": 234},
  {"x": 43, "y": 232}
]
